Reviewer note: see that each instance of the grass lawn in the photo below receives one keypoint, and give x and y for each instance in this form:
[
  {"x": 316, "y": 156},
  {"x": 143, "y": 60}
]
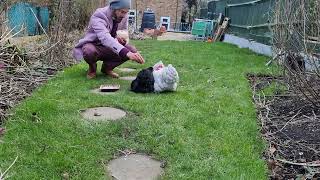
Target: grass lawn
[{"x": 206, "y": 130}]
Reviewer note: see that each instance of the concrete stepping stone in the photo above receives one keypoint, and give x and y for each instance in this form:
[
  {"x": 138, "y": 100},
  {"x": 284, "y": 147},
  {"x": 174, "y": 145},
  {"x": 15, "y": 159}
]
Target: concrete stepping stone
[
  {"x": 128, "y": 78},
  {"x": 106, "y": 89},
  {"x": 97, "y": 91},
  {"x": 135, "y": 167},
  {"x": 103, "y": 114},
  {"x": 127, "y": 70}
]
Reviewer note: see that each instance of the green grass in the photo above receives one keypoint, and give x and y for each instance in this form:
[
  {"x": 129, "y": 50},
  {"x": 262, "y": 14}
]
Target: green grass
[
  {"x": 274, "y": 88},
  {"x": 206, "y": 130}
]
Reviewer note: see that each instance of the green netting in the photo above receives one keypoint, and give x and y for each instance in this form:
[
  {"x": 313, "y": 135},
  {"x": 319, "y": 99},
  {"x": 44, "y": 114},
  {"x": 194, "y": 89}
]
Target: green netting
[
  {"x": 221, "y": 6},
  {"x": 240, "y": 1},
  {"x": 251, "y": 15},
  {"x": 203, "y": 13},
  {"x": 211, "y": 9},
  {"x": 249, "y": 18}
]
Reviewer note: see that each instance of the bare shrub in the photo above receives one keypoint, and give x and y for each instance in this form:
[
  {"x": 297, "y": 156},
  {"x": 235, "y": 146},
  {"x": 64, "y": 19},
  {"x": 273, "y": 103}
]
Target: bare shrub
[{"x": 297, "y": 41}]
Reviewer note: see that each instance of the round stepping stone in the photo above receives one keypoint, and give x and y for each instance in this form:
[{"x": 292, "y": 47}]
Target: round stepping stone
[
  {"x": 128, "y": 78},
  {"x": 127, "y": 69},
  {"x": 135, "y": 167},
  {"x": 103, "y": 113}
]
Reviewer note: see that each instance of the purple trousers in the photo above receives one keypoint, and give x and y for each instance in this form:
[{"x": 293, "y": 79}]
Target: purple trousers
[{"x": 95, "y": 52}]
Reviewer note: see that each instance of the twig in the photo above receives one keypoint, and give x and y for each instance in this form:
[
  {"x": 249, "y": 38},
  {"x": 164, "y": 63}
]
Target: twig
[
  {"x": 3, "y": 175},
  {"x": 308, "y": 164},
  {"x": 44, "y": 51},
  {"x": 312, "y": 149},
  {"x": 285, "y": 124},
  {"x": 44, "y": 31}
]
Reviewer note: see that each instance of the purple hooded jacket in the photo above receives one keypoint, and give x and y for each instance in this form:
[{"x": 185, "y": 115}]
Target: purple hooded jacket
[{"x": 101, "y": 30}]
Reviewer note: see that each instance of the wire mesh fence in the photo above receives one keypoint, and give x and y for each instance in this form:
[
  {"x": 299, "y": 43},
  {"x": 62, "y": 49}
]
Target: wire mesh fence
[{"x": 176, "y": 26}]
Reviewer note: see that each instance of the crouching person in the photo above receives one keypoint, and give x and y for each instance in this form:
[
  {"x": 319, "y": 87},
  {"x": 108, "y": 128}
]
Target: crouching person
[{"x": 102, "y": 43}]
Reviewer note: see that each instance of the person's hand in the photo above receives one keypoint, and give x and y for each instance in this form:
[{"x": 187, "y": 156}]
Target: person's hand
[
  {"x": 122, "y": 40},
  {"x": 135, "y": 57}
]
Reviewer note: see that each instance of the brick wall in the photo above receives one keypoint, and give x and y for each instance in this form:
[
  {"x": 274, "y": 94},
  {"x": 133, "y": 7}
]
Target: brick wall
[{"x": 171, "y": 8}]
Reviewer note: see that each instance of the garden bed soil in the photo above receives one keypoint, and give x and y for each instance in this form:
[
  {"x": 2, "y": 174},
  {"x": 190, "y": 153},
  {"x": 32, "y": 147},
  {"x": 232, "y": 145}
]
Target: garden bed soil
[{"x": 291, "y": 127}]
